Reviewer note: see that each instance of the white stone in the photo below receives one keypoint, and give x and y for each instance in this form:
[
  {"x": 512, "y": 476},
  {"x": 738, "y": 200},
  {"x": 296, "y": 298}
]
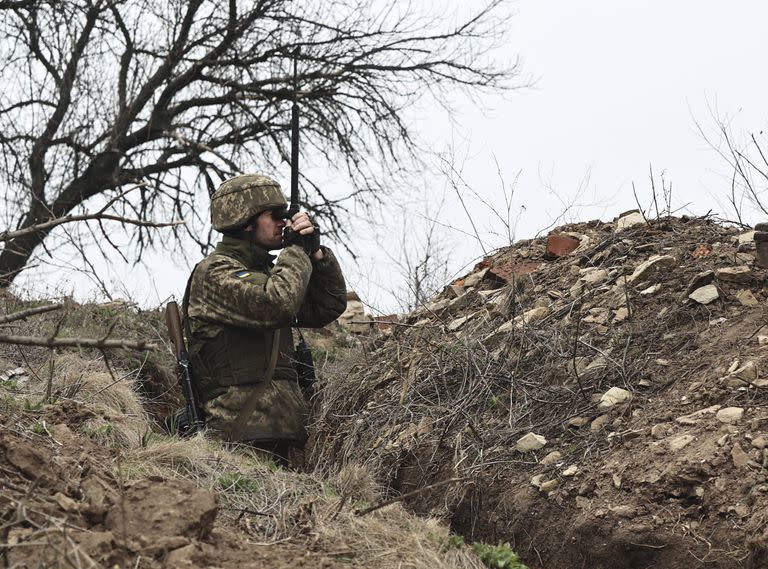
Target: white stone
[
  {"x": 621, "y": 315},
  {"x": 652, "y": 266},
  {"x": 730, "y": 415},
  {"x": 535, "y": 314},
  {"x": 458, "y": 323},
  {"x": 614, "y": 396},
  {"x": 552, "y": 458},
  {"x": 537, "y": 480},
  {"x": 629, "y": 220},
  {"x": 679, "y": 443},
  {"x": 572, "y": 470},
  {"x": 740, "y": 274},
  {"x": 705, "y": 294},
  {"x": 549, "y": 485},
  {"x": 747, "y": 372},
  {"x": 594, "y": 276},
  {"x": 651, "y": 289},
  {"x": 530, "y": 442},
  {"x": 599, "y": 422},
  {"x": 747, "y": 237}
]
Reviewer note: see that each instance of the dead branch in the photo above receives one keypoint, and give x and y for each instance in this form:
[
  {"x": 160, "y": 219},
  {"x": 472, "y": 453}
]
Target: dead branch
[
  {"x": 409, "y": 495},
  {"x": 29, "y": 312},
  {"x": 99, "y": 216},
  {"x": 99, "y": 344}
]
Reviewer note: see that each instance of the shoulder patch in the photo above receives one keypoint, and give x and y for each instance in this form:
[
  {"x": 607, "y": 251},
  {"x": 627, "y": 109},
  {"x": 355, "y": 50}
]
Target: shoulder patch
[{"x": 242, "y": 274}]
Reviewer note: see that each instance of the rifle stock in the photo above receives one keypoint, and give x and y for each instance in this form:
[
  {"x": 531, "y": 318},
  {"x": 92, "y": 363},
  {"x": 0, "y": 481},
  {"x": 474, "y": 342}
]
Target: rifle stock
[{"x": 173, "y": 323}]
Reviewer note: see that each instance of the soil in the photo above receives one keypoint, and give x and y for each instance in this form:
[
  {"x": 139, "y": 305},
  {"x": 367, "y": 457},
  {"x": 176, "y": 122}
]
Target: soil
[
  {"x": 674, "y": 476},
  {"x": 62, "y": 507}
]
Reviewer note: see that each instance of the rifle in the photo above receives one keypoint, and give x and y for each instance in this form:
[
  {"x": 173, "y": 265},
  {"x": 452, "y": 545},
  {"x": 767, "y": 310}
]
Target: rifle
[{"x": 194, "y": 418}]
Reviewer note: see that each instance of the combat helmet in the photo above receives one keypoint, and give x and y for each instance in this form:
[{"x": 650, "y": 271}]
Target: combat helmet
[{"x": 240, "y": 198}]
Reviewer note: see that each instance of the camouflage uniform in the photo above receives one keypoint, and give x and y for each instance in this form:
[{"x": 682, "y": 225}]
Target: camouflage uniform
[{"x": 236, "y": 299}]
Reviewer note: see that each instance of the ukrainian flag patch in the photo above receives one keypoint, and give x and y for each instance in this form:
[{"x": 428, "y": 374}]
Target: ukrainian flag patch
[{"x": 242, "y": 274}]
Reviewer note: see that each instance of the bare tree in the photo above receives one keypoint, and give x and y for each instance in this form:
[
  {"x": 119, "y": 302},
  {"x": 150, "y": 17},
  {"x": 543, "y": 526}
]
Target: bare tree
[
  {"x": 179, "y": 94},
  {"x": 747, "y": 157}
]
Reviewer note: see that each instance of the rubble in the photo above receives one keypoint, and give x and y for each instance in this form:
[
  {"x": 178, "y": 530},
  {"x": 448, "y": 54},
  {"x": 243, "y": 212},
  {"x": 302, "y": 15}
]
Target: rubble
[{"x": 633, "y": 359}]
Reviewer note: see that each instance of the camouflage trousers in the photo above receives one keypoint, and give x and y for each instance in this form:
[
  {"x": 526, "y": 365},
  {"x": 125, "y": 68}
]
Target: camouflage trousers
[{"x": 280, "y": 417}]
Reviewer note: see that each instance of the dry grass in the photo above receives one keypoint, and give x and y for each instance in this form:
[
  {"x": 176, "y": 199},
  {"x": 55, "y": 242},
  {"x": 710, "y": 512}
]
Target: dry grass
[{"x": 268, "y": 503}]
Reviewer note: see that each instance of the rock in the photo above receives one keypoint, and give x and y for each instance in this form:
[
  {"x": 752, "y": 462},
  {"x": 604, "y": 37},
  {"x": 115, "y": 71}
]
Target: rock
[
  {"x": 747, "y": 372},
  {"x": 760, "y": 442},
  {"x": 599, "y": 422},
  {"x": 537, "y": 480},
  {"x": 354, "y": 316},
  {"x": 762, "y": 340},
  {"x": 591, "y": 275},
  {"x": 620, "y": 315},
  {"x": 458, "y": 323},
  {"x": 437, "y": 305},
  {"x": 549, "y": 485},
  {"x": 729, "y": 415},
  {"x": 578, "y": 422},
  {"x": 705, "y": 294},
  {"x": 652, "y": 267},
  {"x": 699, "y": 280},
  {"x": 65, "y": 502},
  {"x": 572, "y": 470},
  {"x": 614, "y": 396},
  {"x": 661, "y": 431},
  {"x": 552, "y": 458},
  {"x": 475, "y": 278},
  {"x": 630, "y": 219},
  {"x": 653, "y": 289},
  {"x": 560, "y": 245},
  {"x": 739, "y": 274},
  {"x": 748, "y": 237},
  {"x": 455, "y": 291},
  {"x": 530, "y": 442},
  {"x": 535, "y": 314},
  {"x": 696, "y": 416},
  {"x": 746, "y": 298},
  {"x": 679, "y": 443},
  {"x": 739, "y": 457}
]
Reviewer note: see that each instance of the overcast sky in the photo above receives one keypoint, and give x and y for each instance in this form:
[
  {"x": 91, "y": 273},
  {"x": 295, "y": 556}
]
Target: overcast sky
[{"x": 618, "y": 86}]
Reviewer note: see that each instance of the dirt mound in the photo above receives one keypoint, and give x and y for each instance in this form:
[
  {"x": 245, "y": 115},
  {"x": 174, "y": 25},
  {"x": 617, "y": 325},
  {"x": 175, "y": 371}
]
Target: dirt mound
[
  {"x": 595, "y": 398},
  {"x": 63, "y": 507},
  {"x": 87, "y": 479}
]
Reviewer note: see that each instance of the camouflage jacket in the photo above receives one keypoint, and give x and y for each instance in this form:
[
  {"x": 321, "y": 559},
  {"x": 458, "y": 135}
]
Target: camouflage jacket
[{"x": 237, "y": 298}]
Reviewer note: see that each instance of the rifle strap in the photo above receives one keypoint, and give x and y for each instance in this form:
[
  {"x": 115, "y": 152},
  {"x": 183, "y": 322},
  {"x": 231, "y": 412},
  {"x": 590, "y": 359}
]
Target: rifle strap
[{"x": 250, "y": 405}]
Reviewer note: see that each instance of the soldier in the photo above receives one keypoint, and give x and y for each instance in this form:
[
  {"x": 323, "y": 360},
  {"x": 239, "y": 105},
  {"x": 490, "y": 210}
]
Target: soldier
[{"x": 240, "y": 304}]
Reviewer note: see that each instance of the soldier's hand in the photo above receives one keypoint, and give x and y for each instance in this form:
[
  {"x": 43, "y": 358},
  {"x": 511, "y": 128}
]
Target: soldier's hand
[{"x": 303, "y": 232}]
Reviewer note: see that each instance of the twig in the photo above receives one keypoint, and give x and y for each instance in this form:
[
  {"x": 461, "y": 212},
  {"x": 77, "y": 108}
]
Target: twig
[{"x": 408, "y": 495}]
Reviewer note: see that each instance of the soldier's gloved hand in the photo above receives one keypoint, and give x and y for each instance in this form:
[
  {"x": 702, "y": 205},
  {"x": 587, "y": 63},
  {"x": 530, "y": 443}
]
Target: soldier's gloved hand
[{"x": 302, "y": 232}]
